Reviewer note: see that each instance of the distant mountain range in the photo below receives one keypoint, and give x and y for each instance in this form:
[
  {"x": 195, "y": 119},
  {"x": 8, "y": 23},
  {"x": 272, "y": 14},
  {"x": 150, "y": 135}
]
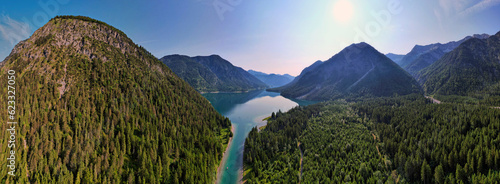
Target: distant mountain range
[
  {"x": 212, "y": 73},
  {"x": 472, "y": 67},
  {"x": 358, "y": 70},
  {"x": 423, "y": 56},
  {"x": 272, "y": 80},
  {"x": 395, "y": 57}
]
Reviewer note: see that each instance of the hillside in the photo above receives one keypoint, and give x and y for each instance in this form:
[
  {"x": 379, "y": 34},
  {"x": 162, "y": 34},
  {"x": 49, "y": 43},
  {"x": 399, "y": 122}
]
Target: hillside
[
  {"x": 272, "y": 80},
  {"x": 358, "y": 70},
  {"x": 212, "y": 73},
  {"x": 472, "y": 68},
  {"x": 422, "y": 56},
  {"x": 94, "y": 107}
]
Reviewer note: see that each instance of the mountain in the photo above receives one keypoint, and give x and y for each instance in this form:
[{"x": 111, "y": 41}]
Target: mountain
[
  {"x": 358, "y": 70},
  {"x": 194, "y": 73},
  {"x": 94, "y": 107},
  {"x": 272, "y": 80},
  {"x": 422, "y": 56},
  {"x": 212, "y": 73},
  {"x": 472, "y": 67},
  {"x": 395, "y": 57}
]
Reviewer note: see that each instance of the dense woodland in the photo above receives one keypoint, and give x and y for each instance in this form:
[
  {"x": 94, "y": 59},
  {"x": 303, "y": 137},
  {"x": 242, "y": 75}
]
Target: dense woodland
[
  {"x": 123, "y": 119},
  {"x": 393, "y": 140}
]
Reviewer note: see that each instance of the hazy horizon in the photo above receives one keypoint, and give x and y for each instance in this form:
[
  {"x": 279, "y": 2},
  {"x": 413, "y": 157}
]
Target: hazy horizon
[{"x": 272, "y": 37}]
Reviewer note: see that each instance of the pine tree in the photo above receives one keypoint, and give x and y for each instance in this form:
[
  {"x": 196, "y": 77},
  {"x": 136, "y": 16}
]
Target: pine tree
[
  {"x": 439, "y": 175},
  {"x": 426, "y": 172}
]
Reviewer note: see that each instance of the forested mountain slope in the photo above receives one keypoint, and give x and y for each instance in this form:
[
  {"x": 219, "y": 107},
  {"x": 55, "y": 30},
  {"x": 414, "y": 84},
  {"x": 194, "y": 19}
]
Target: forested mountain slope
[
  {"x": 94, "y": 107},
  {"x": 472, "y": 69}
]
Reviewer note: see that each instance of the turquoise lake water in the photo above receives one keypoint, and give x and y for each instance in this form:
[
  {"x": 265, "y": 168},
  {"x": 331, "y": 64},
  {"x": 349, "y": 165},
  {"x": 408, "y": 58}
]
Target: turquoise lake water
[{"x": 246, "y": 110}]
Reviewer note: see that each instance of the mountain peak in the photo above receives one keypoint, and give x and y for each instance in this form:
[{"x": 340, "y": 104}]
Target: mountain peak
[
  {"x": 361, "y": 45},
  {"x": 358, "y": 70},
  {"x": 356, "y": 50},
  {"x": 85, "y": 19},
  {"x": 215, "y": 56},
  {"x": 481, "y": 36},
  {"x": 80, "y": 34},
  {"x": 317, "y": 62}
]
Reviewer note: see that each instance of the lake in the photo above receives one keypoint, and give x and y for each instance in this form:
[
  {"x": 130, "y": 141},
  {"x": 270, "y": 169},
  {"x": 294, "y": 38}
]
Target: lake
[{"x": 246, "y": 110}]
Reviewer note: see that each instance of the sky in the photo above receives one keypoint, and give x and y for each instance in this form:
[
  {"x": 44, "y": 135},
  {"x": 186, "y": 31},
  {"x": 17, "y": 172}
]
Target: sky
[{"x": 278, "y": 36}]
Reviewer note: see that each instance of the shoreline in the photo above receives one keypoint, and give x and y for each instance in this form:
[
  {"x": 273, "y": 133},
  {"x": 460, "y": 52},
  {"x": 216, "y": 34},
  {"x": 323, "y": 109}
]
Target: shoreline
[
  {"x": 224, "y": 158},
  {"x": 240, "y": 175},
  {"x": 240, "y": 91},
  {"x": 260, "y": 122}
]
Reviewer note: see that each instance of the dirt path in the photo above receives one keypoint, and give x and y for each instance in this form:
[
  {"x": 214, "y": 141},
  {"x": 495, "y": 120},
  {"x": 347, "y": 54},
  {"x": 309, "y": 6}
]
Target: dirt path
[
  {"x": 433, "y": 100},
  {"x": 376, "y": 146},
  {"x": 301, "y": 159},
  {"x": 439, "y": 102}
]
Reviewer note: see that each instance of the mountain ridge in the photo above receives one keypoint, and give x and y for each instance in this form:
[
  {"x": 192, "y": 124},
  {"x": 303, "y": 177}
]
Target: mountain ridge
[
  {"x": 358, "y": 70},
  {"x": 212, "y": 73},
  {"x": 422, "y": 56},
  {"x": 472, "y": 67}
]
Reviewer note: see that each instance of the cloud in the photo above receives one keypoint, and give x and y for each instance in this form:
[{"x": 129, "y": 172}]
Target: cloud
[
  {"x": 464, "y": 8},
  {"x": 478, "y": 7},
  {"x": 13, "y": 31},
  {"x": 449, "y": 12},
  {"x": 452, "y": 6}
]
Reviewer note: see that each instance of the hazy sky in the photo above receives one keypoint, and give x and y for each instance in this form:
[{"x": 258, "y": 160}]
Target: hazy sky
[{"x": 275, "y": 36}]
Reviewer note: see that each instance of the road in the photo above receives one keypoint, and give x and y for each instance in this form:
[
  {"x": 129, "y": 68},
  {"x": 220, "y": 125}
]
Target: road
[
  {"x": 301, "y": 158},
  {"x": 433, "y": 100}
]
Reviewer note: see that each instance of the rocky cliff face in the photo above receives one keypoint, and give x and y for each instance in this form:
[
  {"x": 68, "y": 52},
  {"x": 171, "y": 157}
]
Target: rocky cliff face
[{"x": 71, "y": 34}]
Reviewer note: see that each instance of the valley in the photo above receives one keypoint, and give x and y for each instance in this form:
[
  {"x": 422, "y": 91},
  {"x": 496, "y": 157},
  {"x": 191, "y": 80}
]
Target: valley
[{"x": 250, "y": 92}]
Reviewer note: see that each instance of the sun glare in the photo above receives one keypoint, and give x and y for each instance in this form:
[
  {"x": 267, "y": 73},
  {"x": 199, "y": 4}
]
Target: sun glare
[{"x": 343, "y": 10}]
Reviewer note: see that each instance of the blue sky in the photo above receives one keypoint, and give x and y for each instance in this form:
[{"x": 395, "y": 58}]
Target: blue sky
[{"x": 278, "y": 36}]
